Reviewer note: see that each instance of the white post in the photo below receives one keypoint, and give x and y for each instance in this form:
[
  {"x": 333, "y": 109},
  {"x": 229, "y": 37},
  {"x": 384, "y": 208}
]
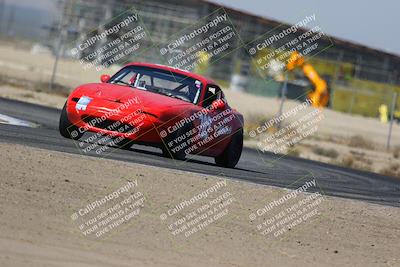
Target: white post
[
  {"x": 283, "y": 95},
  {"x": 393, "y": 106},
  {"x": 60, "y": 45}
]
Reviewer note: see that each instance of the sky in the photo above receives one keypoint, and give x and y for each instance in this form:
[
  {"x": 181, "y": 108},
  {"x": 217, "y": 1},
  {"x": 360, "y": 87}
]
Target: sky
[{"x": 371, "y": 23}]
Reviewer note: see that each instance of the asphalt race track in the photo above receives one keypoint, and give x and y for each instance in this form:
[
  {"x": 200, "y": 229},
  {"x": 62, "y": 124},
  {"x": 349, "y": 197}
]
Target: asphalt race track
[{"x": 254, "y": 167}]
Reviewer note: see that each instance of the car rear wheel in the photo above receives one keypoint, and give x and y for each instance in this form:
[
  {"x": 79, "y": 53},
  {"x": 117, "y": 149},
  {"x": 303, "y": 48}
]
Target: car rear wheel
[
  {"x": 66, "y": 128},
  {"x": 231, "y": 155},
  {"x": 124, "y": 144}
]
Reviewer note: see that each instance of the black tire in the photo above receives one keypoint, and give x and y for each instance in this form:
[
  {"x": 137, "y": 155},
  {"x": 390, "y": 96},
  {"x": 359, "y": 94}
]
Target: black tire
[
  {"x": 231, "y": 155},
  {"x": 66, "y": 128},
  {"x": 124, "y": 144},
  {"x": 167, "y": 152}
]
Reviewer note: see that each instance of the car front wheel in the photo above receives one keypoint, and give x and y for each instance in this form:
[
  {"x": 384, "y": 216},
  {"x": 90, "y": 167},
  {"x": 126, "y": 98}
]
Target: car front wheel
[
  {"x": 174, "y": 152},
  {"x": 66, "y": 128}
]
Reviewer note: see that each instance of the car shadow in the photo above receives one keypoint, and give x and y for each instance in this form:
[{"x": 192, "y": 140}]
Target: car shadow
[{"x": 159, "y": 154}]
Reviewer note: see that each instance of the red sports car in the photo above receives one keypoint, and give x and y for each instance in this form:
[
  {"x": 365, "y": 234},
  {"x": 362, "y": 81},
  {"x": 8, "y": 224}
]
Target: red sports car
[{"x": 180, "y": 112}]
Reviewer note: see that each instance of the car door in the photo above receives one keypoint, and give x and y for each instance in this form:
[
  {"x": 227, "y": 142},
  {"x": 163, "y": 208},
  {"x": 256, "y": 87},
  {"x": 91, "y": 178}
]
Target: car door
[{"x": 214, "y": 124}]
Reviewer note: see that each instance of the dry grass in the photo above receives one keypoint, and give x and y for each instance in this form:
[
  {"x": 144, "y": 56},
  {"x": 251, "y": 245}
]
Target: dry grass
[
  {"x": 37, "y": 86},
  {"x": 361, "y": 156},
  {"x": 357, "y": 160},
  {"x": 329, "y": 153},
  {"x": 27, "y": 95},
  {"x": 253, "y": 120},
  {"x": 360, "y": 142},
  {"x": 392, "y": 170},
  {"x": 295, "y": 152},
  {"x": 347, "y": 161},
  {"x": 396, "y": 152}
]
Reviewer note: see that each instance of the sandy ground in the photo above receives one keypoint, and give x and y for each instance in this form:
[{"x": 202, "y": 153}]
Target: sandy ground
[
  {"x": 30, "y": 96},
  {"x": 40, "y": 190}
]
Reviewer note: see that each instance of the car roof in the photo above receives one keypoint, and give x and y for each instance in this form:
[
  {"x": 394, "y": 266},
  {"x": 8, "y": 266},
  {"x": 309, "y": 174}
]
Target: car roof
[{"x": 172, "y": 69}]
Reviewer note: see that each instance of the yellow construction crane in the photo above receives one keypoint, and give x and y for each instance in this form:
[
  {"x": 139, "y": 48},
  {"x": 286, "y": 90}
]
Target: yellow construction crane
[{"x": 320, "y": 95}]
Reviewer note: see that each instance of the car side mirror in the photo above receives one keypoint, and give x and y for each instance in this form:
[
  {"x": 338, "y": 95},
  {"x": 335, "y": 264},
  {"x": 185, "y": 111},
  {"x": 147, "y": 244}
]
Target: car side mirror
[
  {"x": 104, "y": 78},
  {"x": 218, "y": 104}
]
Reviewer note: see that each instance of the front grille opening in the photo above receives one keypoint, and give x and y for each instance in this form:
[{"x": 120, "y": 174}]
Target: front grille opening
[{"x": 109, "y": 125}]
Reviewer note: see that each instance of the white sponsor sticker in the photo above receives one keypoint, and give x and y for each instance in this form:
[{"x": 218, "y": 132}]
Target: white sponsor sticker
[{"x": 83, "y": 103}]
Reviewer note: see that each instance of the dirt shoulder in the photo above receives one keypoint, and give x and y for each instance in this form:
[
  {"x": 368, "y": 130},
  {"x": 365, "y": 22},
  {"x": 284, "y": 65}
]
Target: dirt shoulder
[
  {"x": 41, "y": 191},
  {"x": 31, "y": 96}
]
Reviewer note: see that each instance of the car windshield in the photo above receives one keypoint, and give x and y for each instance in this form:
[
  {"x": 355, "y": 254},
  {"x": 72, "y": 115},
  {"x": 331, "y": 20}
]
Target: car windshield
[{"x": 159, "y": 81}]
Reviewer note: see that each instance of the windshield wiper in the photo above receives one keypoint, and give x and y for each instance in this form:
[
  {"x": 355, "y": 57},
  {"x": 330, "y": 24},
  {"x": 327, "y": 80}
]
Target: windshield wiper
[
  {"x": 161, "y": 92},
  {"x": 119, "y": 81},
  {"x": 178, "y": 97},
  {"x": 173, "y": 96}
]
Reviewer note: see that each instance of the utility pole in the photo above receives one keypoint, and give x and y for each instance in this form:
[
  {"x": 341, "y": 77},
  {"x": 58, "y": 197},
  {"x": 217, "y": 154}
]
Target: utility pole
[
  {"x": 10, "y": 22},
  {"x": 357, "y": 76},
  {"x": 337, "y": 67},
  {"x": 283, "y": 96},
  {"x": 60, "y": 42},
  {"x": 392, "y": 108},
  {"x": 336, "y": 75},
  {"x": 2, "y": 7}
]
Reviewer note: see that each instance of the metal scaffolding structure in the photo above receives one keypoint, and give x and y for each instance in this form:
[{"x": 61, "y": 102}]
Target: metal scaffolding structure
[{"x": 164, "y": 18}]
